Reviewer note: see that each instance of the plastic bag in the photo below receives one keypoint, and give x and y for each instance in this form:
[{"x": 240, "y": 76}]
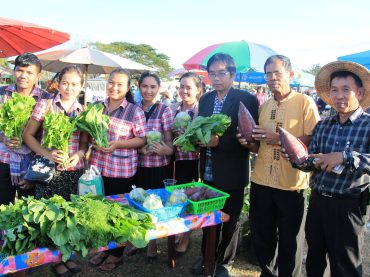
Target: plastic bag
[
  {"x": 138, "y": 194},
  {"x": 176, "y": 197},
  {"x": 153, "y": 202},
  {"x": 91, "y": 182}
]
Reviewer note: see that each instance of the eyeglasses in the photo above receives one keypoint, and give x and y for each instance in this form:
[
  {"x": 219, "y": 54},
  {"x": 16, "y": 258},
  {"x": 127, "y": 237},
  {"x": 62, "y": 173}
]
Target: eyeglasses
[
  {"x": 222, "y": 74},
  {"x": 269, "y": 75}
]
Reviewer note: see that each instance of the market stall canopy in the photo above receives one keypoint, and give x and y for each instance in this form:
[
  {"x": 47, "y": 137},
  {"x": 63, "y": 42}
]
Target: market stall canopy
[
  {"x": 90, "y": 61},
  {"x": 302, "y": 79},
  {"x": 362, "y": 58},
  {"x": 18, "y": 37},
  {"x": 247, "y": 56}
]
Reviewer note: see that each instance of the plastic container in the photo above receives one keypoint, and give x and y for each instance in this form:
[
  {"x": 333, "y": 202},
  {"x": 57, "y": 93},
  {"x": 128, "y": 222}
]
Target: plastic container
[
  {"x": 203, "y": 206},
  {"x": 162, "y": 214}
]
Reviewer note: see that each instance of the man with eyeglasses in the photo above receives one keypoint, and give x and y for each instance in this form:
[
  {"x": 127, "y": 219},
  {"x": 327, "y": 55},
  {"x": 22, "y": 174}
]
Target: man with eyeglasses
[
  {"x": 224, "y": 162},
  {"x": 277, "y": 195}
]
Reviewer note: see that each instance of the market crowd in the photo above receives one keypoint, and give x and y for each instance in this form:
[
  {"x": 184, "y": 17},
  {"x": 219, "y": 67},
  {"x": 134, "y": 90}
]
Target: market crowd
[{"x": 335, "y": 220}]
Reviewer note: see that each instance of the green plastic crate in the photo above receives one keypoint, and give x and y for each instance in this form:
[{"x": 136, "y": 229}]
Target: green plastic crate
[{"x": 203, "y": 206}]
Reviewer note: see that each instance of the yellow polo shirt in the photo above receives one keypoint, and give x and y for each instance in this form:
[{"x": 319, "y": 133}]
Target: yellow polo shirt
[{"x": 298, "y": 114}]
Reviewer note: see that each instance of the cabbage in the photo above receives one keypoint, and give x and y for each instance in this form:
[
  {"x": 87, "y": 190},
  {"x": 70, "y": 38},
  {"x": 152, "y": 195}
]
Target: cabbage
[
  {"x": 181, "y": 121},
  {"x": 153, "y": 136}
]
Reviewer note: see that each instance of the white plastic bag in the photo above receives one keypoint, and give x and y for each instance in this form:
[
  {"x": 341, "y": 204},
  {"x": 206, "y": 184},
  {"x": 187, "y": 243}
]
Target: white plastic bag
[{"x": 91, "y": 182}]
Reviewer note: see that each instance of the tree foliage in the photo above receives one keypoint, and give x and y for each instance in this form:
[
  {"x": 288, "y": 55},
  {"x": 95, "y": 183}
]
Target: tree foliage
[
  {"x": 313, "y": 69},
  {"x": 4, "y": 62},
  {"x": 141, "y": 53}
]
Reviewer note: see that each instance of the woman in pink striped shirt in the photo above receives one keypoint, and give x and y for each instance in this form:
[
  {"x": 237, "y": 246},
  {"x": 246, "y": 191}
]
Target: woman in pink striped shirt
[
  {"x": 154, "y": 160},
  {"x": 118, "y": 162}
]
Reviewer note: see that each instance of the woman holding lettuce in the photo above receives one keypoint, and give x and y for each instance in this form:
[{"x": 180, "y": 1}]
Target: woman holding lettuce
[
  {"x": 186, "y": 163},
  {"x": 70, "y": 167},
  {"x": 118, "y": 162},
  {"x": 154, "y": 158}
]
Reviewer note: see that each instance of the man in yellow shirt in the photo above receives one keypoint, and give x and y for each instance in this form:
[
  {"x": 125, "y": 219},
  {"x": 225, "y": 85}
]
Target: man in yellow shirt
[{"x": 277, "y": 195}]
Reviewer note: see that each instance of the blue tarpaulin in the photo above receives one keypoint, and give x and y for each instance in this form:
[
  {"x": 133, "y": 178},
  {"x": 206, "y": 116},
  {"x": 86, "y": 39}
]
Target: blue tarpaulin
[{"x": 362, "y": 58}]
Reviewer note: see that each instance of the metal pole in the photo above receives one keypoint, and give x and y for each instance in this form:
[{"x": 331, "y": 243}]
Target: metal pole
[{"x": 85, "y": 89}]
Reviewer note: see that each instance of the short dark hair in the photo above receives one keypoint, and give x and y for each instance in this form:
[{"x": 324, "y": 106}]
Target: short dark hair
[
  {"x": 286, "y": 62},
  {"x": 345, "y": 74},
  {"x": 224, "y": 58},
  {"x": 149, "y": 74},
  {"x": 27, "y": 59}
]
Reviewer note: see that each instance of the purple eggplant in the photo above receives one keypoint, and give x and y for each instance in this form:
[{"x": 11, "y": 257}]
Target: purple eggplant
[
  {"x": 294, "y": 147},
  {"x": 246, "y": 123}
]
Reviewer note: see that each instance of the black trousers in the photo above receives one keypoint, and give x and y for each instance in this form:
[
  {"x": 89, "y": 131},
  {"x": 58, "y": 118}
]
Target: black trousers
[
  {"x": 228, "y": 232},
  {"x": 7, "y": 190},
  {"x": 186, "y": 171},
  {"x": 277, "y": 220},
  {"x": 335, "y": 227},
  {"x": 114, "y": 186}
]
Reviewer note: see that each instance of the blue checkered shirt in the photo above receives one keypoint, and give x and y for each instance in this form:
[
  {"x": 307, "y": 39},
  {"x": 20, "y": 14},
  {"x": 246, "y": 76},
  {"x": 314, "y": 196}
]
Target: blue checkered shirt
[
  {"x": 217, "y": 107},
  {"x": 353, "y": 136}
]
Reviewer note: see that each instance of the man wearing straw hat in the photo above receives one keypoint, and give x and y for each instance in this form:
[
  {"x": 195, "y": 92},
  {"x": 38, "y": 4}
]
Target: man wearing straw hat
[{"x": 340, "y": 160}]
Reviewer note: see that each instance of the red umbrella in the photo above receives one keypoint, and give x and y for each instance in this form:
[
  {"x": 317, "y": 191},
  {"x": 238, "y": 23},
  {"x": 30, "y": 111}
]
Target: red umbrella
[{"x": 18, "y": 37}]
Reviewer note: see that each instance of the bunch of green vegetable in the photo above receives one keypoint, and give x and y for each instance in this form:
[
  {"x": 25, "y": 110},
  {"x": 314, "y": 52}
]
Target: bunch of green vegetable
[
  {"x": 58, "y": 128},
  {"x": 94, "y": 122},
  {"x": 14, "y": 115},
  {"x": 181, "y": 121},
  {"x": 152, "y": 136},
  {"x": 84, "y": 223},
  {"x": 200, "y": 131}
]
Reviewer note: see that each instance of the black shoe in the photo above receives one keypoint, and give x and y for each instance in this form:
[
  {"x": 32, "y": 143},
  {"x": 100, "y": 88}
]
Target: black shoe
[
  {"x": 222, "y": 271},
  {"x": 198, "y": 267}
]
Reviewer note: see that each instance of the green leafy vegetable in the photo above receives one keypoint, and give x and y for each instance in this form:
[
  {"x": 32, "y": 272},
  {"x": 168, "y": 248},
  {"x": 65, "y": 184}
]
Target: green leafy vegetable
[
  {"x": 58, "y": 128},
  {"x": 201, "y": 129},
  {"x": 94, "y": 122},
  {"x": 81, "y": 224},
  {"x": 14, "y": 115},
  {"x": 181, "y": 121}
]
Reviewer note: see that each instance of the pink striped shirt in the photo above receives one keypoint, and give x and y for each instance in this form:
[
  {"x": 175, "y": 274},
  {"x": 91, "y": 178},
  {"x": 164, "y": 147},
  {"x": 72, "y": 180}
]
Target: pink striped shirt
[
  {"x": 126, "y": 122},
  {"x": 41, "y": 109}
]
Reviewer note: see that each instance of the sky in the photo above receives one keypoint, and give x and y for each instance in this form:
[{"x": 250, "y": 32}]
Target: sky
[{"x": 308, "y": 32}]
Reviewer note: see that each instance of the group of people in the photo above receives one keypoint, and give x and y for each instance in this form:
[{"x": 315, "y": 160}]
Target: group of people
[{"x": 339, "y": 204}]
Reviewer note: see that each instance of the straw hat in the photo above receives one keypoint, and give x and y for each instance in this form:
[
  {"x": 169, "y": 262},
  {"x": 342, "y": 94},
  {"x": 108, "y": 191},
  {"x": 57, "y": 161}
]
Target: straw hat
[{"x": 322, "y": 80}]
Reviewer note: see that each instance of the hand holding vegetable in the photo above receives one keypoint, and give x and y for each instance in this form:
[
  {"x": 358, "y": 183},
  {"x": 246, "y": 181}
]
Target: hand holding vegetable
[
  {"x": 72, "y": 160},
  {"x": 264, "y": 134},
  {"x": 58, "y": 156},
  {"x": 244, "y": 142},
  {"x": 213, "y": 142},
  {"x": 161, "y": 148},
  {"x": 112, "y": 145},
  {"x": 12, "y": 143}
]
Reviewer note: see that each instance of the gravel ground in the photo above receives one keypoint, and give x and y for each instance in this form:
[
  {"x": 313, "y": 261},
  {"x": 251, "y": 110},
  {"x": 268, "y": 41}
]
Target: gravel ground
[{"x": 136, "y": 266}]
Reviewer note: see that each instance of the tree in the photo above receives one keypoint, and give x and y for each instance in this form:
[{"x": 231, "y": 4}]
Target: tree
[
  {"x": 4, "y": 63},
  {"x": 141, "y": 53},
  {"x": 313, "y": 70}
]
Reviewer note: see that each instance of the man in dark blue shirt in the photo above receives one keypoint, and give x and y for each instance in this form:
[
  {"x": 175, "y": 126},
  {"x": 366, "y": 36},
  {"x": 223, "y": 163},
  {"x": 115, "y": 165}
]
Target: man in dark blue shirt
[{"x": 340, "y": 161}]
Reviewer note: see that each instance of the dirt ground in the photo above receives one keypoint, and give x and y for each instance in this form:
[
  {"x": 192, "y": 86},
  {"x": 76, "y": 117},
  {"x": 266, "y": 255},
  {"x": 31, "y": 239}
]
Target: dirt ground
[{"x": 136, "y": 266}]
